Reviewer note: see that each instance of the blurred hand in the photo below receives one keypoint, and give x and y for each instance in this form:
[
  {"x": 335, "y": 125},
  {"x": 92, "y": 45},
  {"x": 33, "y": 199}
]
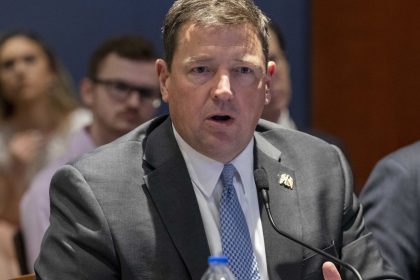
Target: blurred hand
[
  {"x": 330, "y": 272},
  {"x": 24, "y": 147}
]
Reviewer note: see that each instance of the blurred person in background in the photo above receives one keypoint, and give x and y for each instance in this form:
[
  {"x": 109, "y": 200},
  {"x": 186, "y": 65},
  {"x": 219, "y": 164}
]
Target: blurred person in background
[
  {"x": 122, "y": 91},
  {"x": 391, "y": 201},
  {"x": 281, "y": 90},
  {"x": 38, "y": 111},
  {"x": 277, "y": 110}
]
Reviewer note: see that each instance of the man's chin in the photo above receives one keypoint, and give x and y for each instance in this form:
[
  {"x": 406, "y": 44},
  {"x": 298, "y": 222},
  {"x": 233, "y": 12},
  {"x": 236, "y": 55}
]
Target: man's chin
[{"x": 123, "y": 129}]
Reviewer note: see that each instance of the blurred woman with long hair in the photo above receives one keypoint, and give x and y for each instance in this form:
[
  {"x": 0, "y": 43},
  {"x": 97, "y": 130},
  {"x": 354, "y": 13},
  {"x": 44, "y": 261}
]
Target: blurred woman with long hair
[{"x": 37, "y": 111}]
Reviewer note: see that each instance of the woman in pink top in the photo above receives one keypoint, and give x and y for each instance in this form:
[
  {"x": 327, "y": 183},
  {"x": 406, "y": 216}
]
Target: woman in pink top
[{"x": 37, "y": 111}]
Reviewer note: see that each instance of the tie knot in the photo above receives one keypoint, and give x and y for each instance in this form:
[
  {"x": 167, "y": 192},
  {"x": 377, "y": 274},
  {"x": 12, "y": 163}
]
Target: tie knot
[{"x": 227, "y": 174}]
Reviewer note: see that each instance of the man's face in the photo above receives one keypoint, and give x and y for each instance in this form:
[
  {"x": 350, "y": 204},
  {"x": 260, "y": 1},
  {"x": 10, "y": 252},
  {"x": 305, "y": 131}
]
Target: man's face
[
  {"x": 216, "y": 87},
  {"x": 115, "y": 115},
  {"x": 280, "y": 83},
  {"x": 25, "y": 73}
]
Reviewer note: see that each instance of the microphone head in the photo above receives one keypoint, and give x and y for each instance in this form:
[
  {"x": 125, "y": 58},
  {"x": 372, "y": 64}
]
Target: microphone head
[{"x": 260, "y": 177}]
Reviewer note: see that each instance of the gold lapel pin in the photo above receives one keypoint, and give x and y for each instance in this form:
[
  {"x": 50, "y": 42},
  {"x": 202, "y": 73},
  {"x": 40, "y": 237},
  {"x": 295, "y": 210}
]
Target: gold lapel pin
[{"x": 286, "y": 181}]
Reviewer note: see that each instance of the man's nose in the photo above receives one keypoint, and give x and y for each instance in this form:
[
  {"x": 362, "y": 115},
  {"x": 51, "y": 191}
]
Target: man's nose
[
  {"x": 134, "y": 99},
  {"x": 223, "y": 89}
]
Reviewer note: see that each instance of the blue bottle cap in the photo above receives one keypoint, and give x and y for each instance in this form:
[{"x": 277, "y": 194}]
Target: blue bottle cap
[{"x": 218, "y": 260}]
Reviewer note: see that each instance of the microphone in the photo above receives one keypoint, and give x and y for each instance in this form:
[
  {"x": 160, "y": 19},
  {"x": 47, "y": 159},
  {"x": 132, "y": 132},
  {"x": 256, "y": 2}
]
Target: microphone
[{"x": 261, "y": 182}]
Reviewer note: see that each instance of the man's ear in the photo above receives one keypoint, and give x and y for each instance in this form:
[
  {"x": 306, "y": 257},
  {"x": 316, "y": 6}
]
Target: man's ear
[
  {"x": 163, "y": 76},
  {"x": 86, "y": 91},
  {"x": 271, "y": 68}
]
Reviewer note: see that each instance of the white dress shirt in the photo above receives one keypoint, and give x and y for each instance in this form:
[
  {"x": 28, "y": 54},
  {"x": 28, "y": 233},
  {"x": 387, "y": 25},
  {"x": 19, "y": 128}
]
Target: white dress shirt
[
  {"x": 205, "y": 176},
  {"x": 286, "y": 121}
]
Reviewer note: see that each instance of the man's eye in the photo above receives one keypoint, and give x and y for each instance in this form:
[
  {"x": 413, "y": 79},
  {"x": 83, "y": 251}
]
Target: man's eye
[
  {"x": 245, "y": 70},
  {"x": 200, "y": 69},
  {"x": 121, "y": 87}
]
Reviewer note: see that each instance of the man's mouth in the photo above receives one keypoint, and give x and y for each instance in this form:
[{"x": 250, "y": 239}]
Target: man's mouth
[{"x": 221, "y": 118}]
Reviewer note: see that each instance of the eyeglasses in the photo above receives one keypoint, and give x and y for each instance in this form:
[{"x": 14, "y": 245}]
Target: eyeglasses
[{"x": 121, "y": 91}]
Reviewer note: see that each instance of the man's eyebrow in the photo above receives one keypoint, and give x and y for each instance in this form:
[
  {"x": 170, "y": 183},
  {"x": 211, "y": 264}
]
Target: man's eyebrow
[{"x": 206, "y": 59}]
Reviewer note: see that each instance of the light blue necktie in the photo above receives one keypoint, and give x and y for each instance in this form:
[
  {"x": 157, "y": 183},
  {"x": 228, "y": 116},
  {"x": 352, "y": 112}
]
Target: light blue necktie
[{"x": 236, "y": 242}]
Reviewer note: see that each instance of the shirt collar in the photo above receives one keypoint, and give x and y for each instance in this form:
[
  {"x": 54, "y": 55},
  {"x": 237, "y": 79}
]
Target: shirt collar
[
  {"x": 205, "y": 172},
  {"x": 244, "y": 164}
]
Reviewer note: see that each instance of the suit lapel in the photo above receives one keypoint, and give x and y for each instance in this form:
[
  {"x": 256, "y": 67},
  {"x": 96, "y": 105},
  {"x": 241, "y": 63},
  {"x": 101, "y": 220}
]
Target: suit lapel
[
  {"x": 286, "y": 214},
  {"x": 172, "y": 192}
]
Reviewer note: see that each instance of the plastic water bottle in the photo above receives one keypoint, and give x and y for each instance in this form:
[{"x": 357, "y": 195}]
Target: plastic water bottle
[{"x": 218, "y": 269}]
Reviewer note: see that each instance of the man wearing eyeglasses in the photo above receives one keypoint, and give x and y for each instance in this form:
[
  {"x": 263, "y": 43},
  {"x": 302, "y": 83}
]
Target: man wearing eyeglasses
[{"x": 122, "y": 91}]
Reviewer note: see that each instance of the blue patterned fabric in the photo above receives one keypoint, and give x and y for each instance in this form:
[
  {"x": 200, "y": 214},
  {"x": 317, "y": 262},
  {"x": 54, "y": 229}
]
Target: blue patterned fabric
[{"x": 236, "y": 242}]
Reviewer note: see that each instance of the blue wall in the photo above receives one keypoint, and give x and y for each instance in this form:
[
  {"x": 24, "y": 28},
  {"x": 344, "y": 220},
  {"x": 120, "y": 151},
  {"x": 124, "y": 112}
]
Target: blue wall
[{"x": 74, "y": 28}]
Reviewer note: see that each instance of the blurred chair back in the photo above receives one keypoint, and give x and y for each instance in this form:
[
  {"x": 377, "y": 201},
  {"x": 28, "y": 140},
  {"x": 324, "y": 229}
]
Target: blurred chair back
[
  {"x": 20, "y": 251},
  {"x": 25, "y": 277}
]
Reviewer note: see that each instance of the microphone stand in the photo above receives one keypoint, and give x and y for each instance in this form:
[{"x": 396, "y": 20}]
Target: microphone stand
[
  {"x": 262, "y": 185},
  {"x": 328, "y": 256}
]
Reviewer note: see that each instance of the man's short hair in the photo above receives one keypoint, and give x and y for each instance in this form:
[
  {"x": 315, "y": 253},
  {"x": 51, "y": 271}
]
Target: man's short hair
[
  {"x": 212, "y": 13},
  {"x": 127, "y": 46}
]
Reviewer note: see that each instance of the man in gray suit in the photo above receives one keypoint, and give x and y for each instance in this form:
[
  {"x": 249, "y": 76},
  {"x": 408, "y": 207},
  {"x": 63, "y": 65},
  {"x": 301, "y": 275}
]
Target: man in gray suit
[
  {"x": 391, "y": 198},
  {"x": 147, "y": 205}
]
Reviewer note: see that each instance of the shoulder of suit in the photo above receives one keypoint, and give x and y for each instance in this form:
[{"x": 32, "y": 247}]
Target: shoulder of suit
[
  {"x": 270, "y": 130},
  {"x": 126, "y": 146},
  {"x": 407, "y": 156}
]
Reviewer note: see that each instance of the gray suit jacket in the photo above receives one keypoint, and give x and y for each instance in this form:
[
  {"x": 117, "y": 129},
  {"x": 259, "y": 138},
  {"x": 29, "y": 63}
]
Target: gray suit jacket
[
  {"x": 391, "y": 198},
  {"x": 128, "y": 210}
]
